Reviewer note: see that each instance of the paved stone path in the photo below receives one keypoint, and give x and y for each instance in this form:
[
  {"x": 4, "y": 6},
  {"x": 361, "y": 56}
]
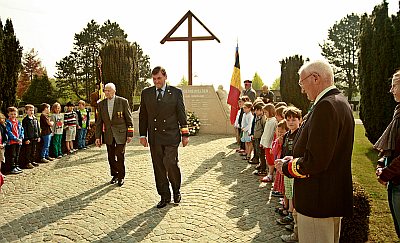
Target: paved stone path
[{"x": 71, "y": 200}]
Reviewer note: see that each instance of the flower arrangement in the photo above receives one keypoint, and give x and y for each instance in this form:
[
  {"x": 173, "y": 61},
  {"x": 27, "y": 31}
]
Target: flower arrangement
[{"x": 193, "y": 123}]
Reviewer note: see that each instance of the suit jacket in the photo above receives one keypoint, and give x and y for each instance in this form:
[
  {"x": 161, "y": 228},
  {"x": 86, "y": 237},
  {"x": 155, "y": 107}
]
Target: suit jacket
[
  {"x": 323, "y": 146},
  {"x": 163, "y": 122},
  {"x": 251, "y": 93},
  {"x": 120, "y": 126}
]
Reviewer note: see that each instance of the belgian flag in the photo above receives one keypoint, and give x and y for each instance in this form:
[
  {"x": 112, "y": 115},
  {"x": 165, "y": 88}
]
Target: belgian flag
[{"x": 235, "y": 88}]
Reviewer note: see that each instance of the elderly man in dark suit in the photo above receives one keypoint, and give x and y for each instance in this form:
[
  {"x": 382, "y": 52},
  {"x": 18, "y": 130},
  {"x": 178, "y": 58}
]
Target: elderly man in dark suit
[
  {"x": 321, "y": 162},
  {"x": 115, "y": 120},
  {"x": 162, "y": 120}
]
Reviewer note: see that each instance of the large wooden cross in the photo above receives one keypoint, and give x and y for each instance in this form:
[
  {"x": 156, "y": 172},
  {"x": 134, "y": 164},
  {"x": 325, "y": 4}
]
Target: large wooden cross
[{"x": 189, "y": 38}]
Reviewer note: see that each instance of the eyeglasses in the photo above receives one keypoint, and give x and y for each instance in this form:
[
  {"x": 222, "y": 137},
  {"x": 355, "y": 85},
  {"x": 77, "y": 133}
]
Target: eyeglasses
[{"x": 302, "y": 80}]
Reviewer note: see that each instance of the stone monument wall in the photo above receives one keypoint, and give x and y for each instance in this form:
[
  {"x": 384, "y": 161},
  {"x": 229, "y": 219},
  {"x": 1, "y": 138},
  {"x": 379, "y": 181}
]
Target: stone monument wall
[{"x": 205, "y": 103}]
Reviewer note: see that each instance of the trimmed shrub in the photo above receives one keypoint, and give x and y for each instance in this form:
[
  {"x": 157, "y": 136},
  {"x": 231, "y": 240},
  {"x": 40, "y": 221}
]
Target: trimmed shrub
[{"x": 356, "y": 228}]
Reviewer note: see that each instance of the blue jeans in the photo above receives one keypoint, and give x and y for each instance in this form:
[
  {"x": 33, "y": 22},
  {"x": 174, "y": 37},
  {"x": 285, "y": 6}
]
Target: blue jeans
[
  {"x": 46, "y": 146},
  {"x": 82, "y": 138},
  {"x": 394, "y": 204}
]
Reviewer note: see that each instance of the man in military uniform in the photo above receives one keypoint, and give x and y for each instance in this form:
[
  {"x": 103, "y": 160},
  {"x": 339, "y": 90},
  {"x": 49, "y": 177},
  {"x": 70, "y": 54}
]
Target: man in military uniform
[
  {"x": 162, "y": 125},
  {"x": 115, "y": 120},
  {"x": 249, "y": 91}
]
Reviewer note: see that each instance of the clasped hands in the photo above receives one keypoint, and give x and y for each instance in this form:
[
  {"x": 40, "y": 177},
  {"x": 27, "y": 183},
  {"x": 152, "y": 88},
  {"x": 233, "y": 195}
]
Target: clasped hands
[{"x": 279, "y": 163}]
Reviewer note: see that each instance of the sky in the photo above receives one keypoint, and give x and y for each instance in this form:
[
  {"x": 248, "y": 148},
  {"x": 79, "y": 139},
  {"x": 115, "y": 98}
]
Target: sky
[{"x": 266, "y": 31}]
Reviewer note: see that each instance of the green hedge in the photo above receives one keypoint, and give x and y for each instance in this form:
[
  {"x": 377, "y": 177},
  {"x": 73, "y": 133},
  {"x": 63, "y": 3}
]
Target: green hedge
[{"x": 356, "y": 228}]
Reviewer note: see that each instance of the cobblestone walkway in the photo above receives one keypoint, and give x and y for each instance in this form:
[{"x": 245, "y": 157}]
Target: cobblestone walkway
[{"x": 71, "y": 200}]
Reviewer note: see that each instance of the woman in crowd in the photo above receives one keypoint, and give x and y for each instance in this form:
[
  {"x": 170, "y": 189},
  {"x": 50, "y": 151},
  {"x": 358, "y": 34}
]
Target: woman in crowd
[{"x": 388, "y": 168}]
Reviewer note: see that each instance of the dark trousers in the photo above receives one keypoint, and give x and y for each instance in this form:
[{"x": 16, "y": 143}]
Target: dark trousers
[
  {"x": 166, "y": 169},
  {"x": 261, "y": 156},
  {"x": 31, "y": 151},
  {"x": 256, "y": 147},
  {"x": 242, "y": 144},
  {"x": 12, "y": 155},
  {"x": 116, "y": 159}
]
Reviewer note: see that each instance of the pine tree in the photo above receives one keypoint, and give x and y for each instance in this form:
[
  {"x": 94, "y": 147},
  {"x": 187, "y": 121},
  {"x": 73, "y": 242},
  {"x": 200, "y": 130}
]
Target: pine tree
[
  {"x": 11, "y": 53},
  {"x": 376, "y": 68},
  {"x": 290, "y": 89},
  {"x": 257, "y": 82},
  {"x": 2, "y": 70},
  {"x": 40, "y": 91},
  {"x": 341, "y": 50},
  {"x": 118, "y": 62}
]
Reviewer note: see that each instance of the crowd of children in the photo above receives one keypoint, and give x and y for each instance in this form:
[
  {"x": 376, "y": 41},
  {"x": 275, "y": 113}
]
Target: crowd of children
[
  {"x": 267, "y": 132},
  {"x": 28, "y": 134}
]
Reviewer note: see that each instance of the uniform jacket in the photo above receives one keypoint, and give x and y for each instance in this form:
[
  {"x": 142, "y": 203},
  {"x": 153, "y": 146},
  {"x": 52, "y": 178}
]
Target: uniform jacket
[
  {"x": 251, "y": 93},
  {"x": 120, "y": 126},
  {"x": 163, "y": 122},
  {"x": 323, "y": 146}
]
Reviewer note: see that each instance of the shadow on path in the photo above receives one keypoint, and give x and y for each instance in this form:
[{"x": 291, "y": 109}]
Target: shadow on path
[
  {"x": 136, "y": 229},
  {"x": 70, "y": 161},
  {"x": 250, "y": 203},
  {"x": 207, "y": 165},
  {"x": 31, "y": 222}
]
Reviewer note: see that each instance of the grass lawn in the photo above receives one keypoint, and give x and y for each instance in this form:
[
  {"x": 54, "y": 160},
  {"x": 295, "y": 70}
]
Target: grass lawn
[{"x": 363, "y": 167}]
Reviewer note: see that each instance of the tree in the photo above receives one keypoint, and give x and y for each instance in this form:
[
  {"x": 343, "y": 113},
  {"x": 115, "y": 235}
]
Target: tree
[
  {"x": 257, "y": 82},
  {"x": 11, "y": 53},
  {"x": 78, "y": 72},
  {"x": 276, "y": 85},
  {"x": 184, "y": 81},
  {"x": 31, "y": 65},
  {"x": 341, "y": 50},
  {"x": 289, "y": 87},
  {"x": 378, "y": 62},
  {"x": 142, "y": 71},
  {"x": 40, "y": 91},
  {"x": 119, "y": 61}
]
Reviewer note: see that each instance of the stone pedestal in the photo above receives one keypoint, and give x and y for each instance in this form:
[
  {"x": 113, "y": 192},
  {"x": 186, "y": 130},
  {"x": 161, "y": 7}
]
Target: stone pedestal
[{"x": 205, "y": 103}]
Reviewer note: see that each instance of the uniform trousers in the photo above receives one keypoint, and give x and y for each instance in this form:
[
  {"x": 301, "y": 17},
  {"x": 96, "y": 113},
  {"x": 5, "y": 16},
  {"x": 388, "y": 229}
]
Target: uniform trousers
[
  {"x": 116, "y": 159},
  {"x": 325, "y": 230},
  {"x": 166, "y": 169}
]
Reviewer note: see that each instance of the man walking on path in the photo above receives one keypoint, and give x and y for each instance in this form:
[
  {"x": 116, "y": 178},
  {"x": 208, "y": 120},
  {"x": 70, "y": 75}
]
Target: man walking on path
[
  {"x": 162, "y": 120},
  {"x": 116, "y": 117}
]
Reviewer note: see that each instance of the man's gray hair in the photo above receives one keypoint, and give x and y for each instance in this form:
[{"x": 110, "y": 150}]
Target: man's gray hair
[
  {"x": 322, "y": 67},
  {"x": 111, "y": 85}
]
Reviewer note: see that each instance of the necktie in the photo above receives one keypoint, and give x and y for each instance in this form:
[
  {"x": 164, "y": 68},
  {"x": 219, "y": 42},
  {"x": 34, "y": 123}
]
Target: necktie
[{"x": 159, "y": 96}]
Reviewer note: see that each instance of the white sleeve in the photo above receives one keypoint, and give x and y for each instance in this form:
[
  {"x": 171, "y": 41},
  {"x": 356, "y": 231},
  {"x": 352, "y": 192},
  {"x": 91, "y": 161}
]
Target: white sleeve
[
  {"x": 268, "y": 133},
  {"x": 237, "y": 119}
]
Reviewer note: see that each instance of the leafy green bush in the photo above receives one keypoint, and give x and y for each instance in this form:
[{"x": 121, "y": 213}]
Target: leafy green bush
[{"x": 355, "y": 228}]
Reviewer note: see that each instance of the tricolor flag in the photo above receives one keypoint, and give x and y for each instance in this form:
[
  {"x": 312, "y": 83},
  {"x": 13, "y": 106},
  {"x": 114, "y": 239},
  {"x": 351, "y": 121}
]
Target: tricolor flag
[{"x": 234, "y": 91}]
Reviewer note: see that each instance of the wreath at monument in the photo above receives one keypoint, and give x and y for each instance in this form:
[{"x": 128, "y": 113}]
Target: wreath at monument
[{"x": 193, "y": 123}]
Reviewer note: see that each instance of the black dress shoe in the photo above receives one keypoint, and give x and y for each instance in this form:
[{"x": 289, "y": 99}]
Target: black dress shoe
[
  {"x": 163, "y": 203},
  {"x": 177, "y": 198},
  {"x": 120, "y": 182},
  {"x": 114, "y": 180}
]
